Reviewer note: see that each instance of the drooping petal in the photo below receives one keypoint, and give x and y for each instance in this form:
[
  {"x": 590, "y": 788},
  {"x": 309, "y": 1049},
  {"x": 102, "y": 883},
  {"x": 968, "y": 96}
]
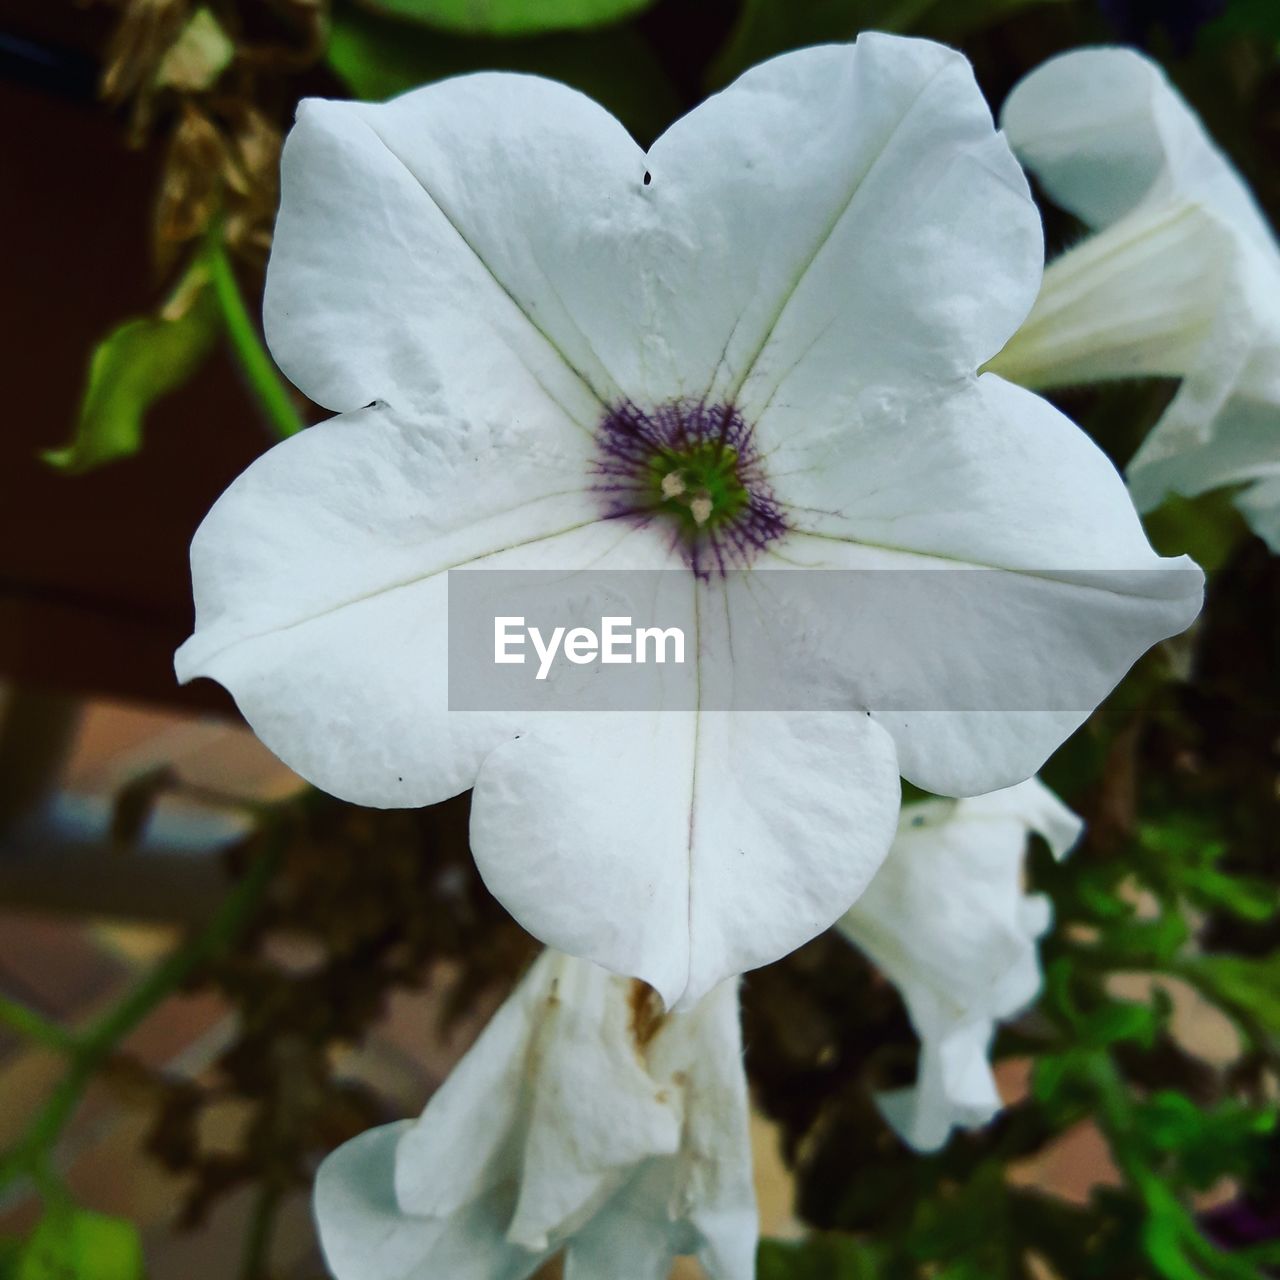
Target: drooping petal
[
  {"x": 476, "y": 1115},
  {"x": 945, "y": 911},
  {"x": 1056, "y": 591},
  {"x": 582, "y": 1116},
  {"x": 700, "y": 1201},
  {"x": 948, "y": 921},
  {"x": 714, "y": 1192},
  {"x": 697, "y": 845},
  {"x": 366, "y": 1236},
  {"x": 1244, "y": 450},
  {"x": 1034, "y": 808},
  {"x": 557, "y": 1102},
  {"x": 633, "y": 1236},
  {"x": 597, "y": 1109},
  {"x": 955, "y": 1089},
  {"x": 320, "y": 584}
]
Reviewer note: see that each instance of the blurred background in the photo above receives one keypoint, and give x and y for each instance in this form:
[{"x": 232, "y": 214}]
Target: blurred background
[{"x": 212, "y": 976}]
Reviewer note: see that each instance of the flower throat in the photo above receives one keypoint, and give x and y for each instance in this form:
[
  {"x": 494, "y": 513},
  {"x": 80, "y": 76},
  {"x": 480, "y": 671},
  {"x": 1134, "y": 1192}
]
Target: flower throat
[{"x": 694, "y": 468}]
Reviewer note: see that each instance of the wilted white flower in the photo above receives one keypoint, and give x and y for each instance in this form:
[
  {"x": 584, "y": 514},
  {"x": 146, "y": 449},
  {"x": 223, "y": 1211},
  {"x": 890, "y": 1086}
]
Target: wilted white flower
[
  {"x": 1181, "y": 280},
  {"x": 754, "y": 345},
  {"x": 582, "y": 1119},
  {"x": 947, "y": 920}
]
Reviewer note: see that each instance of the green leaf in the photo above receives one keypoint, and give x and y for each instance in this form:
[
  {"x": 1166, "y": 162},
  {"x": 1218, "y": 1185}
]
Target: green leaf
[
  {"x": 1241, "y": 982},
  {"x": 1188, "y": 851},
  {"x": 1145, "y": 942},
  {"x": 73, "y": 1244},
  {"x": 133, "y": 367},
  {"x": 1208, "y": 528},
  {"x": 1121, "y": 1020},
  {"x": 1208, "y": 1142},
  {"x": 379, "y": 59},
  {"x": 510, "y": 17},
  {"x": 821, "y": 1257}
]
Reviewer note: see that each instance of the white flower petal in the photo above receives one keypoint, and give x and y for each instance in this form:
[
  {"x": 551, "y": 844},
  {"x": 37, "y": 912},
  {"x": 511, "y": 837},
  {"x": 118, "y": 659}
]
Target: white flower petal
[
  {"x": 1004, "y": 665},
  {"x": 701, "y": 1201},
  {"x": 1032, "y": 807},
  {"x": 1105, "y": 131},
  {"x": 365, "y": 1235},
  {"x": 633, "y": 1236},
  {"x": 1183, "y": 278},
  {"x": 956, "y": 1089},
  {"x": 715, "y": 1194},
  {"x": 476, "y": 1114},
  {"x": 581, "y": 1116},
  {"x": 596, "y": 1110},
  {"x": 985, "y": 474},
  {"x": 320, "y": 581},
  {"x": 1138, "y": 299},
  {"x": 944, "y": 914},
  {"x": 498, "y": 242},
  {"x": 684, "y": 847},
  {"x": 368, "y": 503},
  {"x": 914, "y": 250},
  {"x": 947, "y": 920},
  {"x": 1260, "y": 506},
  {"x": 1245, "y": 450},
  {"x": 390, "y": 276}
]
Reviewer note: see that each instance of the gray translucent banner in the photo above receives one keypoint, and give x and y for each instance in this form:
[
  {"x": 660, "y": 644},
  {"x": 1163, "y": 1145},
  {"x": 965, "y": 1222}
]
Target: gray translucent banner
[{"x": 803, "y": 640}]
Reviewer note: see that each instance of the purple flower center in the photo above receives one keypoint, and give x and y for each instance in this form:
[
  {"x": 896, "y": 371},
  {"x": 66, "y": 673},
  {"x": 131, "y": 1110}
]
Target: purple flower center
[{"x": 694, "y": 468}]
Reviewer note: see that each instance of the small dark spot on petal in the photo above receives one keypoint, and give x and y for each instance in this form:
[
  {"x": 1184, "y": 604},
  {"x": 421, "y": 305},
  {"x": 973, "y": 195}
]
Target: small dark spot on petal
[{"x": 648, "y": 177}]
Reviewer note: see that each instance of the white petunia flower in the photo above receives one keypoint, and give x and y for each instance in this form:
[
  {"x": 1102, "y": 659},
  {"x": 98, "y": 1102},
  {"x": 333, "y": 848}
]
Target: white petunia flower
[
  {"x": 753, "y": 346},
  {"x": 582, "y": 1119},
  {"x": 1181, "y": 280},
  {"x": 947, "y": 920}
]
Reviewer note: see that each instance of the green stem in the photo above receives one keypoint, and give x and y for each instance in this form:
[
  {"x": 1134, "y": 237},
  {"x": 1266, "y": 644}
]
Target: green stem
[
  {"x": 257, "y": 1249},
  {"x": 259, "y": 369},
  {"x": 35, "y": 1026},
  {"x": 90, "y": 1051}
]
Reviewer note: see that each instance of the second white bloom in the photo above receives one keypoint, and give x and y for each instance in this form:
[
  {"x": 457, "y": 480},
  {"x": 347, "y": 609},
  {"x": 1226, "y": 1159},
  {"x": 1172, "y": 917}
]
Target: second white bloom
[
  {"x": 949, "y": 923},
  {"x": 584, "y": 1120},
  {"x": 1182, "y": 279}
]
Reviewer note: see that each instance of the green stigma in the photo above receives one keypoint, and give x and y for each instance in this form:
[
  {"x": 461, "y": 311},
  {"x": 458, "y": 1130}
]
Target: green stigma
[{"x": 699, "y": 484}]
